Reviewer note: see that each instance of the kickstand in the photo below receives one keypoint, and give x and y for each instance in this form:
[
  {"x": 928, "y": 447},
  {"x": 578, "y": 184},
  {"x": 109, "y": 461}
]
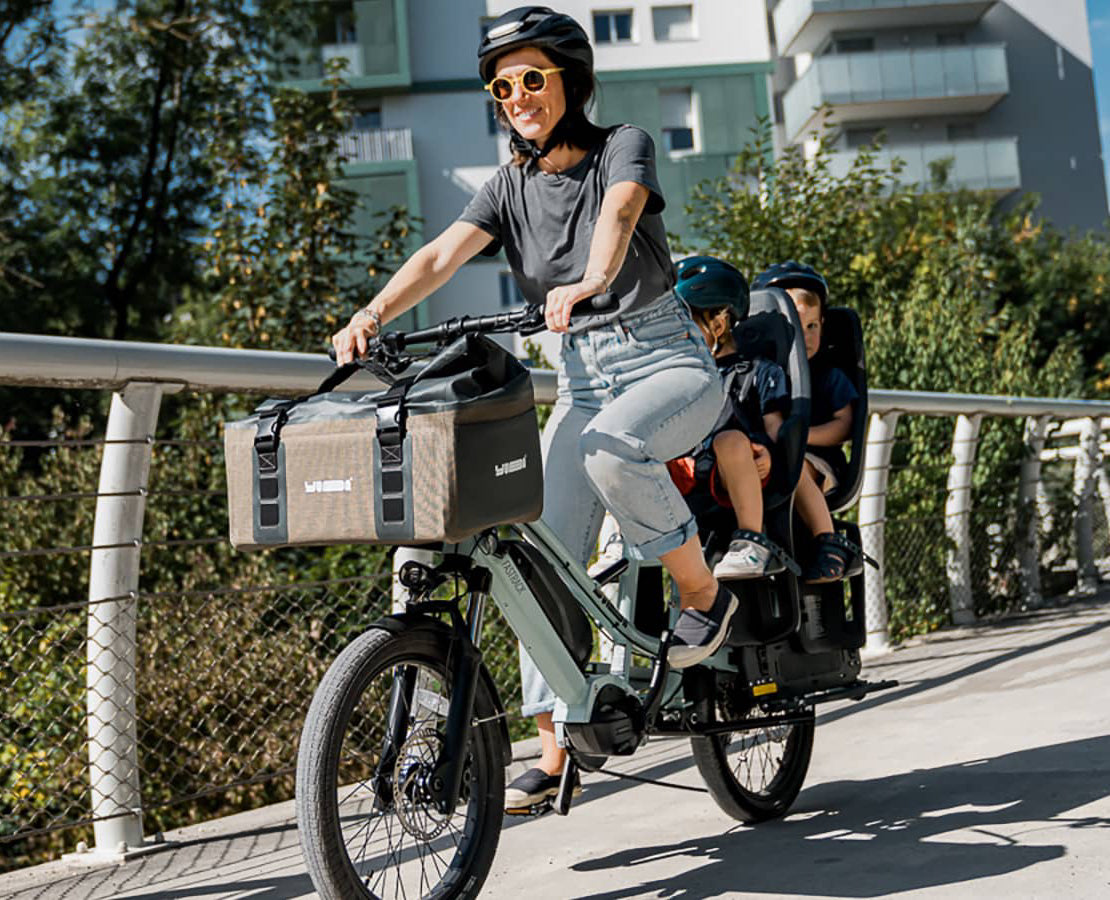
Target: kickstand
[{"x": 566, "y": 786}]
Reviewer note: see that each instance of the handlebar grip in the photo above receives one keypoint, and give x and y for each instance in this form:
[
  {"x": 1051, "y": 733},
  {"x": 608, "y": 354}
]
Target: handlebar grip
[{"x": 595, "y": 305}]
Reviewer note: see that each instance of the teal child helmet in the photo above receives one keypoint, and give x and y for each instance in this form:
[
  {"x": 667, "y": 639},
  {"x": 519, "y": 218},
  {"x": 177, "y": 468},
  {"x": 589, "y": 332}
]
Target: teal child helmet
[
  {"x": 793, "y": 274},
  {"x": 706, "y": 282}
]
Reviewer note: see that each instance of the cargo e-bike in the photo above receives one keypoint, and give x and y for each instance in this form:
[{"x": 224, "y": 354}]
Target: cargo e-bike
[{"x": 401, "y": 766}]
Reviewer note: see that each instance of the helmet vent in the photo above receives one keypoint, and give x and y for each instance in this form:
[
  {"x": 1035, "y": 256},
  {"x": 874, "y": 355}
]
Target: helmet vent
[{"x": 502, "y": 30}]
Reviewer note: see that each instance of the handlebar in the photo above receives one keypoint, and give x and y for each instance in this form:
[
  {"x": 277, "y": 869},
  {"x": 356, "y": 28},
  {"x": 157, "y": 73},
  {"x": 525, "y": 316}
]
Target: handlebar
[
  {"x": 387, "y": 350},
  {"x": 526, "y": 320}
]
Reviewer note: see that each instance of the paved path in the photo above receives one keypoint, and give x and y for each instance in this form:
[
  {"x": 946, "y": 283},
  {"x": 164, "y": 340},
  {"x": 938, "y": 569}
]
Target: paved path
[{"x": 985, "y": 774}]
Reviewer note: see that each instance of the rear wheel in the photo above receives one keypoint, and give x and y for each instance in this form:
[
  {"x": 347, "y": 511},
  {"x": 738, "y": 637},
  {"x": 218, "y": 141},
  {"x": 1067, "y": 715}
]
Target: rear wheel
[
  {"x": 372, "y": 736},
  {"x": 755, "y": 775}
]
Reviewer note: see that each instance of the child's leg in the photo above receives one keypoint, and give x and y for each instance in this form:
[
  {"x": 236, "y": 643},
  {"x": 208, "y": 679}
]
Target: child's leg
[
  {"x": 748, "y": 555},
  {"x": 830, "y": 558},
  {"x": 736, "y": 466},
  {"x": 810, "y": 502}
]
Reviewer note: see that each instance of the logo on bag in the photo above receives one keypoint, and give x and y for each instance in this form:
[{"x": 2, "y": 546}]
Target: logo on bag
[
  {"x": 328, "y": 486},
  {"x": 513, "y": 465}
]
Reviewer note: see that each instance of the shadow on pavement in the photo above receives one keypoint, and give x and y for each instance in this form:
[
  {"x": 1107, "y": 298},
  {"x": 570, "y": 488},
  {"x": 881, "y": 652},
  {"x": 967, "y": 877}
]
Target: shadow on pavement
[{"x": 871, "y": 838}]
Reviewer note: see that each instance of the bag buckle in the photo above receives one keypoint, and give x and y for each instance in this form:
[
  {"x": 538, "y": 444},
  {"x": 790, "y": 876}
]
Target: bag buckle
[
  {"x": 390, "y": 421},
  {"x": 266, "y": 441}
]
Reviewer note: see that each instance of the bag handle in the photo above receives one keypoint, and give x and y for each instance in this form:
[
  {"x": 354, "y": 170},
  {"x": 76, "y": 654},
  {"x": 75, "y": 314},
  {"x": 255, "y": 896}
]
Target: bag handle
[{"x": 336, "y": 378}]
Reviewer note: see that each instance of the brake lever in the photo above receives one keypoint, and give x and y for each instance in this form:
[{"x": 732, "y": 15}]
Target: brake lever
[{"x": 533, "y": 323}]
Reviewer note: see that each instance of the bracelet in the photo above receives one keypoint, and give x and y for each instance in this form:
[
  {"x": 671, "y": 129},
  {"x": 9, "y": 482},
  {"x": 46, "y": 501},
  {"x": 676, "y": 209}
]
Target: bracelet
[
  {"x": 598, "y": 275},
  {"x": 375, "y": 317}
]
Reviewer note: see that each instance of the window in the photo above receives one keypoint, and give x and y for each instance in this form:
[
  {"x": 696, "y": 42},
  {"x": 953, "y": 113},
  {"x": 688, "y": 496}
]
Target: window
[
  {"x": 961, "y": 131},
  {"x": 367, "y": 118},
  {"x": 676, "y": 108},
  {"x": 852, "y": 45},
  {"x": 613, "y": 27},
  {"x": 861, "y": 137},
  {"x": 673, "y": 23},
  {"x": 337, "y": 24},
  {"x": 510, "y": 293}
]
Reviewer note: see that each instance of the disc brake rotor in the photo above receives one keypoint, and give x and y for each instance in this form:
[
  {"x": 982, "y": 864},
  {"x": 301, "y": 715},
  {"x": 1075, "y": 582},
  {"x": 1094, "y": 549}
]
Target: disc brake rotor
[{"x": 414, "y": 804}]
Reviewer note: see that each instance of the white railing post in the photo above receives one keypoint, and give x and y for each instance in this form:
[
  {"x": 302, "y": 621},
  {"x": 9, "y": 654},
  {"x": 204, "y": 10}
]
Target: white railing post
[
  {"x": 957, "y": 518},
  {"x": 1103, "y": 483},
  {"x": 113, "y": 586},
  {"x": 872, "y": 521},
  {"x": 1086, "y": 463},
  {"x": 1029, "y": 526}
]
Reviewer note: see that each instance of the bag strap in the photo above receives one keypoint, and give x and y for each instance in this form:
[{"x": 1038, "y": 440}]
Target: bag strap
[{"x": 336, "y": 378}]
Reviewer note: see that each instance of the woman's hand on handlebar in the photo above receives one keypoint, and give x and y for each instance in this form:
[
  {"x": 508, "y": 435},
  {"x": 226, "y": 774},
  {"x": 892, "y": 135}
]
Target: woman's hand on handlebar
[
  {"x": 561, "y": 300},
  {"x": 354, "y": 339}
]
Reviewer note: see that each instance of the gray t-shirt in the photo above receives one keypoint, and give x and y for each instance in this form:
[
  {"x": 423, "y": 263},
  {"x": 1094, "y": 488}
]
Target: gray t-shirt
[{"x": 546, "y": 222}]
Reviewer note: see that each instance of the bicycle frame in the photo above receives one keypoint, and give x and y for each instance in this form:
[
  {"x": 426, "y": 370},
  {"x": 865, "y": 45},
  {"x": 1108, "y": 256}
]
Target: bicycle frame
[{"x": 576, "y": 690}]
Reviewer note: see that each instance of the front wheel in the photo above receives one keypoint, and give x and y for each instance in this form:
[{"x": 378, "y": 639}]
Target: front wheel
[
  {"x": 755, "y": 775},
  {"x": 374, "y": 731}
]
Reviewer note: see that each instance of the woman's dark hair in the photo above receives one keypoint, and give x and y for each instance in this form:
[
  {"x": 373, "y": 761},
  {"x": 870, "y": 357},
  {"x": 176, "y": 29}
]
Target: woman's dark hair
[{"x": 574, "y": 129}]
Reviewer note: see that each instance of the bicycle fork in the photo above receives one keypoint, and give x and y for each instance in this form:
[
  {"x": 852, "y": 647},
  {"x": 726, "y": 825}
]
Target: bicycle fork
[{"x": 447, "y": 776}]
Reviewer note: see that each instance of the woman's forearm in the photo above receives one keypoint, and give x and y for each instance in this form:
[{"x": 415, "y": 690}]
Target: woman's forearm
[
  {"x": 428, "y": 269},
  {"x": 415, "y": 280},
  {"x": 620, "y": 211}
]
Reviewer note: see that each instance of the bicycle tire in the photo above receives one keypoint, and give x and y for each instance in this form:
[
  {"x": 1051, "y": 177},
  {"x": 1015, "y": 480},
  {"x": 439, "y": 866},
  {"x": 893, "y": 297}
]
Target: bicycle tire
[
  {"x": 755, "y": 793},
  {"x": 331, "y": 807}
]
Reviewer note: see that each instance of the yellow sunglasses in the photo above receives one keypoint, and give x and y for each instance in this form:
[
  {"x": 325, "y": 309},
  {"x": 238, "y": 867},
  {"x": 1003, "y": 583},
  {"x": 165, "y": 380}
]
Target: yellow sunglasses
[{"x": 534, "y": 81}]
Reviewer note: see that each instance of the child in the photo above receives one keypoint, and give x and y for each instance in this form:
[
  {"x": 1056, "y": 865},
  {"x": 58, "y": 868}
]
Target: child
[
  {"x": 733, "y": 463},
  {"x": 832, "y": 396}
]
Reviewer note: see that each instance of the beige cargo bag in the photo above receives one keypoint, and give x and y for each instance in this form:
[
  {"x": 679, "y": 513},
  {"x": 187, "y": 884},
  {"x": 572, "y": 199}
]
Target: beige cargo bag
[{"x": 439, "y": 456}]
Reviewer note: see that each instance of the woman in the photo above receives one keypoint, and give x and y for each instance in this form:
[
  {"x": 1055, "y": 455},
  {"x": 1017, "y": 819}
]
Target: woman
[{"x": 577, "y": 212}]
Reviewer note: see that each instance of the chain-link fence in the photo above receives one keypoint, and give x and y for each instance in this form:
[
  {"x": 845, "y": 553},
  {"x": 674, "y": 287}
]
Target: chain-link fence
[
  {"x": 917, "y": 542},
  {"x": 229, "y": 646}
]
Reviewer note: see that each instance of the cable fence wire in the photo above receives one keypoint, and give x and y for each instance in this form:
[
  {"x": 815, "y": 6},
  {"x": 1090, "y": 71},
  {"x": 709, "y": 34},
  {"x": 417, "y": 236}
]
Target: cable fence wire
[{"x": 231, "y": 645}]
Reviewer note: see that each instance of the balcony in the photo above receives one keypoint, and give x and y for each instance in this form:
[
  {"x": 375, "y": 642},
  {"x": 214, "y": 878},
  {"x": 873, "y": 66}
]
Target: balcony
[
  {"x": 978, "y": 165},
  {"x": 351, "y": 52},
  {"x": 897, "y": 84},
  {"x": 376, "y": 145},
  {"x": 803, "y": 26}
]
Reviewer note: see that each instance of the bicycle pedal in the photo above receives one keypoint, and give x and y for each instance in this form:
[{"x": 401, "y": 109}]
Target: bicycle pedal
[{"x": 535, "y": 810}]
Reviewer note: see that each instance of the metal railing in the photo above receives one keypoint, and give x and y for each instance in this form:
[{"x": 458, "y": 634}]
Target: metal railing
[
  {"x": 977, "y": 165},
  {"x": 915, "y": 75},
  {"x": 172, "y": 683},
  {"x": 376, "y": 145}
]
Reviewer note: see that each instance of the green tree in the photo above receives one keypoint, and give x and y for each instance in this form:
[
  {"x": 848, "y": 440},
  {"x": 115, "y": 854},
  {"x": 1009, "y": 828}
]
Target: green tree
[{"x": 954, "y": 296}]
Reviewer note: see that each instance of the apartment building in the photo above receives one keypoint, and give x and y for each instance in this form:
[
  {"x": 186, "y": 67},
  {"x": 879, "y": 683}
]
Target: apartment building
[
  {"x": 695, "y": 75},
  {"x": 1002, "y": 88}
]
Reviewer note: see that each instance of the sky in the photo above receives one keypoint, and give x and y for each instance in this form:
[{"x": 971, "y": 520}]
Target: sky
[{"x": 1098, "y": 12}]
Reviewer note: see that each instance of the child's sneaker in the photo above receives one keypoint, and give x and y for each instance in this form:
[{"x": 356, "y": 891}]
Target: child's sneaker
[
  {"x": 697, "y": 634},
  {"x": 746, "y": 558}
]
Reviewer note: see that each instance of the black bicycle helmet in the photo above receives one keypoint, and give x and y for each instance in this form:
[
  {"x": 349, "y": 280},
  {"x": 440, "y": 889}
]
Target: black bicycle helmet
[
  {"x": 534, "y": 26},
  {"x": 793, "y": 274},
  {"x": 706, "y": 282}
]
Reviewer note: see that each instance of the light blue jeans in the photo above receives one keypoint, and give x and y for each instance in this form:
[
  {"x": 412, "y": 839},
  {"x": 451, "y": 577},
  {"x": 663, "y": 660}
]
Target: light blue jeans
[{"x": 631, "y": 395}]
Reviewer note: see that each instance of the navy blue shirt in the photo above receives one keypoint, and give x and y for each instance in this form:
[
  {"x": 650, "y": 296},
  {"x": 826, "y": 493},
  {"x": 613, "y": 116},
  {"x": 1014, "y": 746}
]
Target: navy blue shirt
[
  {"x": 831, "y": 392},
  {"x": 753, "y": 397}
]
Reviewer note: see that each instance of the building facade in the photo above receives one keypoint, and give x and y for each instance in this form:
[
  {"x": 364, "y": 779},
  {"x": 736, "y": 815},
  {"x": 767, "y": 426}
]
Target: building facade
[
  {"x": 695, "y": 75},
  {"x": 1000, "y": 89}
]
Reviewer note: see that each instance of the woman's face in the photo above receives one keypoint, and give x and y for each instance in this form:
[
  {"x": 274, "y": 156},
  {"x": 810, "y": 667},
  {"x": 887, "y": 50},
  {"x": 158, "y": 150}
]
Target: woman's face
[{"x": 533, "y": 116}]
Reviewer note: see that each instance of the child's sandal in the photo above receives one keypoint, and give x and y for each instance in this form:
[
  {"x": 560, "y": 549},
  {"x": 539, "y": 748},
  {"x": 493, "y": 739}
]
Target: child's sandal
[{"x": 832, "y": 560}]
